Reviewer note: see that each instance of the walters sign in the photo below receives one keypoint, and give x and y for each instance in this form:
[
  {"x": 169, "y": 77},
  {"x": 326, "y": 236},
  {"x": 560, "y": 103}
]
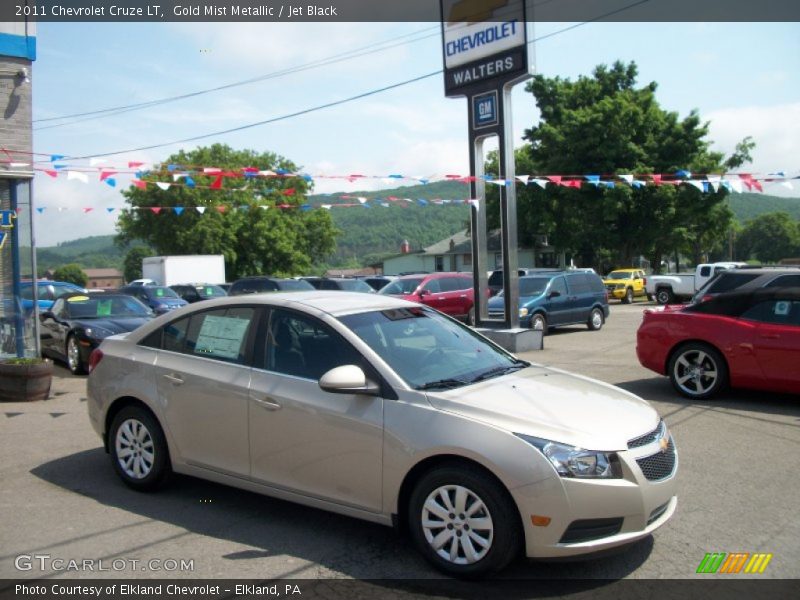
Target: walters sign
[{"x": 484, "y": 42}]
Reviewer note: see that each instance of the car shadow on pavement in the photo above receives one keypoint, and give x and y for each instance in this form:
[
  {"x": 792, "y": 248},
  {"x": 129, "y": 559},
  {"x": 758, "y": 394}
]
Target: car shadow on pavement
[{"x": 271, "y": 527}]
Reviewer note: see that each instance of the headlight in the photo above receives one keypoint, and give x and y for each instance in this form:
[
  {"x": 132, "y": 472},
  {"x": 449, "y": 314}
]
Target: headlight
[
  {"x": 523, "y": 312},
  {"x": 620, "y": 286},
  {"x": 97, "y": 333},
  {"x": 570, "y": 461}
]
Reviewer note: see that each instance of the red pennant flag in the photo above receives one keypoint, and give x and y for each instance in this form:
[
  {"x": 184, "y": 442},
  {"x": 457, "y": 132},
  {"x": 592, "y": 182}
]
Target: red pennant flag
[
  {"x": 221, "y": 208},
  {"x": 756, "y": 184},
  {"x": 555, "y": 179},
  {"x": 155, "y": 209},
  {"x": 249, "y": 170},
  {"x": 575, "y": 183},
  {"x": 288, "y": 192},
  {"x": 217, "y": 183},
  {"x": 656, "y": 179},
  {"x": 51, "y": 173},
  {"x": 284, "y": 206},
  {"x": 106, "y": 174},
  {"x": 134, "y": 164},
  {"x": 87, "y": 209},
  {"x": 747, "y": 179},
  {"x": 140, "y": 184}
]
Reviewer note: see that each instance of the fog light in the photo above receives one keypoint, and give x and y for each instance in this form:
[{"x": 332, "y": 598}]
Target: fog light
[{"x": 540, "y": 521}]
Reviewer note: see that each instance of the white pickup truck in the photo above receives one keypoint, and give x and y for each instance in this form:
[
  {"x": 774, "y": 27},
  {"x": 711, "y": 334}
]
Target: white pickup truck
[{"x": 666, "y": 289}]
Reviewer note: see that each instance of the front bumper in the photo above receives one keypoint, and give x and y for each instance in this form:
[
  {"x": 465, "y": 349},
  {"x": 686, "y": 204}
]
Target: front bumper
[{"x": 591, "y": 515}]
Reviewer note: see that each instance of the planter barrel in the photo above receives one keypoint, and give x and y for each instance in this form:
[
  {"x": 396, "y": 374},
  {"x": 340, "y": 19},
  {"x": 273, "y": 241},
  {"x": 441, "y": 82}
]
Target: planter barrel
[{"x": 25, "y": 383}]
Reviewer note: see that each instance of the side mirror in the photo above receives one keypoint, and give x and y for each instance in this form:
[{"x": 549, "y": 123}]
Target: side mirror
[
  {"x": 422, "y": 293},
  {"x": 348, "y": 379},
  {"x": 46, "y": 314},
  {"x": 554, "y": 294}
]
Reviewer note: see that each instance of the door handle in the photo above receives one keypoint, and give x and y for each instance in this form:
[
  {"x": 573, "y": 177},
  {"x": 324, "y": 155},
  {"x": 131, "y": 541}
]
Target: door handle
[
  {"x": 268, "y": 403},
  {"x": 173, "y": 379},
  {"x": 463, "y": 296}
]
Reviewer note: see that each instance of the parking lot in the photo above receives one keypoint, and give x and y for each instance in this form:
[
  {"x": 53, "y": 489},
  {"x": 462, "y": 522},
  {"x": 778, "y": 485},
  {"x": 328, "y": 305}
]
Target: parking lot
[{"x": 61, "y": 498}]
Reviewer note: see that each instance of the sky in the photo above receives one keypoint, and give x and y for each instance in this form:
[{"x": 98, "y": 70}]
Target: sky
[{"x": 742, "y": 77}]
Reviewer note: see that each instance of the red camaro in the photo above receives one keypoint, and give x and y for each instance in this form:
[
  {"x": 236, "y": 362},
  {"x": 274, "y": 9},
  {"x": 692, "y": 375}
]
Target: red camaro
[{"x": 742, "y": 339}]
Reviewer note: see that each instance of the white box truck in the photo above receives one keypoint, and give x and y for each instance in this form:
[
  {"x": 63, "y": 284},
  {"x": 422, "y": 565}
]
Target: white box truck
[{"x": 191, "y": 268}]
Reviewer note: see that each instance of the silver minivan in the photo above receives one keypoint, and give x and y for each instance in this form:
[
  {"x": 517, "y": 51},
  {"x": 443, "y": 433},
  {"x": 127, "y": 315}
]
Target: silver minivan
[{"x": 389, "y": 411}]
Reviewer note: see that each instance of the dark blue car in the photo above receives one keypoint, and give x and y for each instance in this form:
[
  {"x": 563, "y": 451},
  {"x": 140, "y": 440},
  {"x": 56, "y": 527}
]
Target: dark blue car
[
  {"x": 158, "y": 297},
  {"x": 558, "y": 298}
]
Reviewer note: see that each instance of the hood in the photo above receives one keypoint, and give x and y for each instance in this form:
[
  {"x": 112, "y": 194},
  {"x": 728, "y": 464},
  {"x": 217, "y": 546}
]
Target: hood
[
  {"x": 554, "y": 405},
  {"x": 114, "y": 325}
]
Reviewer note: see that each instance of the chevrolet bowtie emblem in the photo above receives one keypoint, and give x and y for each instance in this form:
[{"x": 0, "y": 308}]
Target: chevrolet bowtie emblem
[{"x": 663, "y": 443}]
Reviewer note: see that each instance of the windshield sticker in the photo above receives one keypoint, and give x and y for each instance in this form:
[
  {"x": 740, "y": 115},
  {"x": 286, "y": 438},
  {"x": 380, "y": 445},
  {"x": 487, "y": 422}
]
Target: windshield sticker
[
  {"x": 159, "y": 292},
  {"x": 104, "y": 308},
  {"x": 781, "y": 308},
  {"x": 78, "y": 299}
]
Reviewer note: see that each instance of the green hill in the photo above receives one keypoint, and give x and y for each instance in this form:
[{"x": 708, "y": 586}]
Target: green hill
[
  {"x": 746, "y": 206},
  {"x": 94, "y": 252}
]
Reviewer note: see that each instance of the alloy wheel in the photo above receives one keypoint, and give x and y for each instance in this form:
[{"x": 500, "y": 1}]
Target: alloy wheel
[{"x": 134, "y": 449}]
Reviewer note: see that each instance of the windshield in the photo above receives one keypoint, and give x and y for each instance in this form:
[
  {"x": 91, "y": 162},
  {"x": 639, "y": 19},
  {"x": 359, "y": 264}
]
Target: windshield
[
  {"x": 428, "y": 350},
  {"x": 294, "y": 285},
  {"x": 354, "y": 285},
  {"x": 619, "y": 275},
  {"x": 210, "y": 291},
  {"x": 161, "y": 292},
  {"x": 402, "y": 286},
  {"x": 529, "y": 286},
  {"x": 85, "y": 307}
]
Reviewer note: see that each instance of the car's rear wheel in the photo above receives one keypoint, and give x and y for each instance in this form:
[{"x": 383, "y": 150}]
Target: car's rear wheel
[
  {"x": 74, "y": 360},
  {"x": 471, "y": 317},
  {"x": 628, "y": 299},
  {"x": 138, "y": 449},
  {"x": 464, "y": 522},
  {"x": 664, "y": 296},
  {"x": 539, "y": 323},
  {"x": 596, "y": 319},
  {"x": 698, "y": 371}
]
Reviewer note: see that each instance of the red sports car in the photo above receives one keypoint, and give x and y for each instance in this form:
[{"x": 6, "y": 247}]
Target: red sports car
[{"x": 742, "y": 339}]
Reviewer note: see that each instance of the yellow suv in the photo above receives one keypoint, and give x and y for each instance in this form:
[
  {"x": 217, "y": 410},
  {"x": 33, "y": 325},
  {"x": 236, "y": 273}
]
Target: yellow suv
[{"x": 625, "y": 284}]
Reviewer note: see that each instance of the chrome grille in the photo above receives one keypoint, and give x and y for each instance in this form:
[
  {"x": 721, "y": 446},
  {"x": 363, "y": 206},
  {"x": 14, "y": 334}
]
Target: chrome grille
[
  {"x": 659, "y": 465},
  {"x": 647, "y": 438}
]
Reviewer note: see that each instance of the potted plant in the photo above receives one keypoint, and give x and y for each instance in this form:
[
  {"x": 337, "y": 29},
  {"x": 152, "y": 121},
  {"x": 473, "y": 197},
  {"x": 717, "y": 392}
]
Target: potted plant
[{"x": 25, "y": 379}]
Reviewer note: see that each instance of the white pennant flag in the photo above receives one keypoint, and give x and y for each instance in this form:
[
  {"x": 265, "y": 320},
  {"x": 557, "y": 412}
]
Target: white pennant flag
[
  {"x": 736, "y": 184},
  {"x": 264, "y": 206},
  {"x": 361, "y": 199},
  {"x": 176, "y": 176},
  {"x": 476, "y": 203},
  {"x": 326, "y": 206},
  {"x": 714, "y": 180},
  {"x": 266, "y": 173},
  {"x": 524, "y": 178},
  {"x": 162, "y": 186},
  {"x": 498, "y": 182},
  {"x": 212, "y": 170},
  {"x": 542, "y": 183},
  {"x": 78, "y": 175},
  {"x": 201, "y": 209},
  {"x": 62, "y": 208},
  {"x": 787, "y": 185},
  {"x": 93, "y": 162},
  {"x": 627, "y": 178},
  {"x": 697, "y": 184}
]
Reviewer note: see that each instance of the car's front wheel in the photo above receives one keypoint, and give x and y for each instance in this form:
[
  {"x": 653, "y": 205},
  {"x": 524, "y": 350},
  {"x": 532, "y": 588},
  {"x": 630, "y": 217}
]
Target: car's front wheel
[
  {"x": 139, "y": 449},
  {"x": 463, "y": 522},
  {"x": 698, "y": 371},
  {"x": 539, "y": 322},
  {"x": 628, "y": 299}
]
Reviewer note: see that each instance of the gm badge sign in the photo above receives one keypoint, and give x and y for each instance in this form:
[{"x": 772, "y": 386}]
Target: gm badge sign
[
  {"x": 483, "y": 40},
  {"x": 484, "y": 110}
]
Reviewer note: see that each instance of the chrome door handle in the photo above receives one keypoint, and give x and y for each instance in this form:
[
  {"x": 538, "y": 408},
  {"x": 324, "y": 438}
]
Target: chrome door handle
[
  {"x": 173, "y": 379},
  {"x": 268, "y": 403}
]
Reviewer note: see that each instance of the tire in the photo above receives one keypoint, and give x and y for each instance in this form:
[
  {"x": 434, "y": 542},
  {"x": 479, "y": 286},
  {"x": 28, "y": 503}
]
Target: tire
[
  {"x": 628, "y": 299},
  {"x": 649, "y": 297},
  {"x": 136, "y": 431},
  {"x": 698, "y": 371},
  {"x": 482, "y": 539},
  {"x": 471, "y": 317},
  {"x": 539, "y": 321},
  {"x": 596, "y": 320},
  {"x": 664, "y": 296},
  {"x": 73, "y": 354}
]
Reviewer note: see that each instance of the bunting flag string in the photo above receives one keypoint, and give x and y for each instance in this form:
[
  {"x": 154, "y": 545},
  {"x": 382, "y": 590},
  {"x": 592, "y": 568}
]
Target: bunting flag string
[{"x": 55, "y": 166}]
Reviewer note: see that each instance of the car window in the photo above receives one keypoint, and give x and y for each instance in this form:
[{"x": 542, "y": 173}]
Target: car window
[
  {"x": 220, "y": 334},
  {"x": 578, "y": 284},
  {"x": 326, "y": 284},
  {"x": 303, "y": 346},
  {"x": 730, "y": 281},
  {"x": 174, "y": 335},
  {"x": 294, "y": 285},
  {"x": 455, "y": 284},
  {"x": 433, "y": 286},
  {"x": 58, "y": 307},
  {"x": 705, "y": 271},
  {"x": 781, "y": 312},
  {"x": 595, "y": 283},
  {"x": 353, "y": 285},
  {"x": 532, "y": 286},
  {"x": 559, "y": 285},
  {"x": 785, "y": 281},
  {"x": 402, "y": 286}
]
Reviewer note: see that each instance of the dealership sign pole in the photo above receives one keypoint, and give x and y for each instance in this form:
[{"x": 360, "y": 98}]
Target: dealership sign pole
[{"x": 485, "y": 54}]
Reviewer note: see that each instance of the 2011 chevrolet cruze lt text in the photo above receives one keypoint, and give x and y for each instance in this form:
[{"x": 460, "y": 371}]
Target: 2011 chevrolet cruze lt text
[{"x": 389, "y": 411}]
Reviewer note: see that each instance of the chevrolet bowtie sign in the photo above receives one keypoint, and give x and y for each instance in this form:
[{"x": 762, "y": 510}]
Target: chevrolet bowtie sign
[{"x": 483, "y": 40}]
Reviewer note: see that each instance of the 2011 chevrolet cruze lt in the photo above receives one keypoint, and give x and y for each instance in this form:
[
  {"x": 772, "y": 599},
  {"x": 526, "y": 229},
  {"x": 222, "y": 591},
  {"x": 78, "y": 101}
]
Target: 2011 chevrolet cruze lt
[{"x": 389, "y": 411}]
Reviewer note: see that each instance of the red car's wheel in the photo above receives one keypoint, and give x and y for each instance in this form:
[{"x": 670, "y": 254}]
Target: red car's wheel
[{"x": 698, "y": 371}]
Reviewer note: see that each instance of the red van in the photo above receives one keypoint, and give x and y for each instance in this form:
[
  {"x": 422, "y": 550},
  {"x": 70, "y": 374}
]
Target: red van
[{"x": 450, "y": 293}]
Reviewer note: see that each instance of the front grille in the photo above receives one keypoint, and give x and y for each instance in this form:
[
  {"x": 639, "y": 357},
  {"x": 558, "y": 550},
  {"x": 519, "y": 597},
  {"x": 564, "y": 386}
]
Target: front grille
[
  {"x": 647, "y": 438},
  {"x": 585, "y": 530},
  {"x": 657, "y": 513},
  {"x": 659, "y": 465},
  {"x": 496, "y": 315}
]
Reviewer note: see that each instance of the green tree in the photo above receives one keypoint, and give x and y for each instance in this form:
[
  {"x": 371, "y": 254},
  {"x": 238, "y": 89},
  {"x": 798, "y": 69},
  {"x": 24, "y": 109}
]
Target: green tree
[
  {"x": 132, "y": 265},
  {"x": 253, "y": 240},
  {"x": 605, "y": 125},
  {"x": 769, "y": 238},
  {"x": 71, "y": 273}
]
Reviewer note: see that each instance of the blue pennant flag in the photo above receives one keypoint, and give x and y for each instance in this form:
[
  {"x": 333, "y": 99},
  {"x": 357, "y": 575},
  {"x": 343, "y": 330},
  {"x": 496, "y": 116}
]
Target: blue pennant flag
[
  {"x": 110, "y": 209},
  {"x": 683, "y": 173},
  {"x": 244, "y": 208},
  {"x": 111, "y": 181},
  {"x": 178, "y": 209},
  {"x": 609, "y": 184},
  {"x": 638, "y": 184},
  {"x": 189, "y": 182},
  {"x": 40, "y": 209},
  {"x": 396, "y": 177},
  {"x": 59, "y": 166},
  {"x": 308, "y": 177},
  {"x": 55, "y": 157},
  {"x": 593, "y": 179},
  {"x": 305, "y": 207},
  {"x": 422, "y": 202},
  {"x": 171, "y": 168},
  {"x": 706, "y": 187},
  {"x": 281, "y": 171}
]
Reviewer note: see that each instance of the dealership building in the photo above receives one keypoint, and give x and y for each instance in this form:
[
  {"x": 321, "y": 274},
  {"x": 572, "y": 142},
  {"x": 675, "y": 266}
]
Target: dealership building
[{"x": 17, "y": 260}]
